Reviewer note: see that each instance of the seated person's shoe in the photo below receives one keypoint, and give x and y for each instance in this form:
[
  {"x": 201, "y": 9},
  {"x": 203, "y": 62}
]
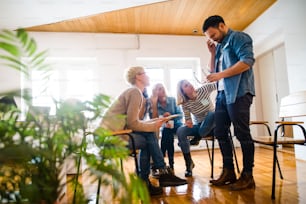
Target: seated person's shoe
[
  {"x": 155, "y": 173},
  {"x": 154, "y": 190},
  {"x": 227, "y": 176},
  {"x": 166, "y": 178},
  {"x": 246, "y": 181},
  {"x": 188, "y": 172},
  {"x": 170, "y": 170},
  {"x": 195, "y": 141}
]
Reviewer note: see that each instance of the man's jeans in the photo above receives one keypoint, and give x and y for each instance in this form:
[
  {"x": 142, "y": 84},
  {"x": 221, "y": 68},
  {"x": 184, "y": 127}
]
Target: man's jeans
[
  {"x": 202, "y": 130},
  {"x": 148, "y": 145},
  {"x": 237, "y": 113}
]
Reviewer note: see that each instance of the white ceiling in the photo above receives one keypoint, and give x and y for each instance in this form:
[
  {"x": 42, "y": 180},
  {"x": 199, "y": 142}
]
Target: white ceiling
[{"x": 27, "y": 13}]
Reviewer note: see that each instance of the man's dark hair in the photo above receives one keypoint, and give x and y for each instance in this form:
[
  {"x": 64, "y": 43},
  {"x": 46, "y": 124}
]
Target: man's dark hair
[{"x": 212, "y": 21}]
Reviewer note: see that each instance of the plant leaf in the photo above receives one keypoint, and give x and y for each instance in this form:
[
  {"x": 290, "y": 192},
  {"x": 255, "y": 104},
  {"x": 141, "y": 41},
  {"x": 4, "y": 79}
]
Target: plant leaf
[
  {"x": 15, "y": 60},
  {"x": 10, "y": 48},
  {"x": 7, "y": 36},
  {"x": 23, "y": 36},
  {"x": 38, "y": 57}
]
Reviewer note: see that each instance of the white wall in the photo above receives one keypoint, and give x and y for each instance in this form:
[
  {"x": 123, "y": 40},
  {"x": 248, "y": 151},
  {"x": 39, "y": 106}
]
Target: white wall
[
  {"x": 116, "y": 52},
  {"x": 284, "y": 22}
]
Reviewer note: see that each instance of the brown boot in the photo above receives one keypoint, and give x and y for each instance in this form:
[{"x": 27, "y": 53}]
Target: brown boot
[
  {"x": 246, "y": 181},
  {"x": 227, "y": 176}
]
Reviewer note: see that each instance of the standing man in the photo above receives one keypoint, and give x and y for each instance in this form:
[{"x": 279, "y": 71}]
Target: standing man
[{"x": 231, "y": 66}]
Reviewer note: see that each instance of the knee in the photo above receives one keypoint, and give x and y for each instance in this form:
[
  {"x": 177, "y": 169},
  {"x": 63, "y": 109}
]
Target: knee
[
  {"x": 180, "y": 134},
  {"x": 139, "y": 142}
]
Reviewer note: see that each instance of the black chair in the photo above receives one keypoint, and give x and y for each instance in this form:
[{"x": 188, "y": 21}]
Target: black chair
[
  {"x": 259, "y": 140},
  {"x": 211, "y": 151},
  {"x": 132, "y": 154},
  {"x": 291, "y": 106}
]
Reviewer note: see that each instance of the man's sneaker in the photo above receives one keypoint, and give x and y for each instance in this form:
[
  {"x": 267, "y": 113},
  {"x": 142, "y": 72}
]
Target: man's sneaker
[
  {"x": 154, "y": 190},
  {"x": 166, "y": 178},
  {"x": 155, "y": 173}
]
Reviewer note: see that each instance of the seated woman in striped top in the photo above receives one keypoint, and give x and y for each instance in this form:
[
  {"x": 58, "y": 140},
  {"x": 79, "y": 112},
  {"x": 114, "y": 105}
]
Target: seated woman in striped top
[{"x": 199, "y": 113}]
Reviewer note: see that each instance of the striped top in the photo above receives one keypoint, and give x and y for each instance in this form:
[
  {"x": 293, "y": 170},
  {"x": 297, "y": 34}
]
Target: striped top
[{"x": 201, "y": 105}]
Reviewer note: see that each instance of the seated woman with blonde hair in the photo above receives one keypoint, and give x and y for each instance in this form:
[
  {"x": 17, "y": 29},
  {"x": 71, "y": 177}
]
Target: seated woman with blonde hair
[{"x": 199, "y": 114}]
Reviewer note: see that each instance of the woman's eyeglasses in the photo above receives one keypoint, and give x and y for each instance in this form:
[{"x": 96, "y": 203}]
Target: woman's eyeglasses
[{"x": 141, "y": 73}]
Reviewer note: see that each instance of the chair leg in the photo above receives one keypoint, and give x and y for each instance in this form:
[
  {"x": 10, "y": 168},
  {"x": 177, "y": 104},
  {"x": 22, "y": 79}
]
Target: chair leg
[
  {"x": 277, "y": 162},
  {"x": 234, "y": 152},
  {"x": 279, "y": 169},
  {"x": 274, "y": 169},
  {"x": 121, "y": 165},
  {"x": 99, "y": 184},
  {"x": 210, "y": 158},
  {"x": 98, "y": 191},
  {"x": 136, "y": 164},
  {"x": 134, "y": 154},
  {"x": 211, "y": 155}
]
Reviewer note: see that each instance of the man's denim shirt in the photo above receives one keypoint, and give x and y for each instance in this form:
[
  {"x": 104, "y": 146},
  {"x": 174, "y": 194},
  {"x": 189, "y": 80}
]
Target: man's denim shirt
[{"x": 236, "y": 46}]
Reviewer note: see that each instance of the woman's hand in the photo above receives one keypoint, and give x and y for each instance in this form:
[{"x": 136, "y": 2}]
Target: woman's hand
[
  {"x": 166, "y": 114},
  {"x": 159, "y": 122},
  {"x": 154, "y": 97}
]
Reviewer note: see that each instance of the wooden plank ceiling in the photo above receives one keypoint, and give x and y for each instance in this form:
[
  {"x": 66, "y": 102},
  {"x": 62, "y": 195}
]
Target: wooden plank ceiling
[{"x": 174, "y": 17}]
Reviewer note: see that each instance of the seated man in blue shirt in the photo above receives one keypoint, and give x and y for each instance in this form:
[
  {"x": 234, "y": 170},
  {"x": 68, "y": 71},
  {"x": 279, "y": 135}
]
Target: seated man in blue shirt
[{"x": 163, "y": 106}]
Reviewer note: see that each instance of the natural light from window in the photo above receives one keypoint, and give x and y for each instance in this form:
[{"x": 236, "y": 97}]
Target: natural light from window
[
  {"x": 169, "y": 71},
  {"x": 71, "y": 78}
]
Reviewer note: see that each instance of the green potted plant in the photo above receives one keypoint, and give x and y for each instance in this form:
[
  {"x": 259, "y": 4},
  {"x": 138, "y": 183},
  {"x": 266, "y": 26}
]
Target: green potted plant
[{"x": 33, "y": 152}]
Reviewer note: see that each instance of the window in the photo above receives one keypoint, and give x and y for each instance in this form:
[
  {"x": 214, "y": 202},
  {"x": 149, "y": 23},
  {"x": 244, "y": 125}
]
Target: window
[
  {"x": 71, "y": 78},
  {"x": 170, "y": 71},
  {"x": 156, "y": 75}
]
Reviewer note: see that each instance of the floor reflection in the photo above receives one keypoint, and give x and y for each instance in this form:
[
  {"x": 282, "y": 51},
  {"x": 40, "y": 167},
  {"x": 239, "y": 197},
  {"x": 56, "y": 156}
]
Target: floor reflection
[{"x": 200, "y": 191}]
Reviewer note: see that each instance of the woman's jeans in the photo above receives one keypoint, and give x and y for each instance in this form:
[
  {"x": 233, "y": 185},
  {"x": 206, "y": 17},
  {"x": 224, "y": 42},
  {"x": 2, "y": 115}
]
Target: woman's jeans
[
  {"x": 237, "y": 113},
  {"x": 167, "y": 143},
  {"x": 202, "y": 130},
  {"x": 148, "y": 145}
]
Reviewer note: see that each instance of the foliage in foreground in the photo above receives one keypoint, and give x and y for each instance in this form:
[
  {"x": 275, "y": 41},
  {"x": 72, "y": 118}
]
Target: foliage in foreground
[{"x": 33, "y": 152}]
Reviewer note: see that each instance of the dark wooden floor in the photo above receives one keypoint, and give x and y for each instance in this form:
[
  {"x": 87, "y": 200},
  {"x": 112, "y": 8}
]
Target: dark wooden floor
[{"x": 199, "y": 190}]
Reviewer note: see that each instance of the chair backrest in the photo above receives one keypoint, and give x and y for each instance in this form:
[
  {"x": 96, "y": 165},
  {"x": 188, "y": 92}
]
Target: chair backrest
[{"x": 293, "y": 105}]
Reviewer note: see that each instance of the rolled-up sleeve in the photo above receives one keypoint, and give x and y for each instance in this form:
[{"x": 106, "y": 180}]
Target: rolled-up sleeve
[{"x": 243, "y": 45}]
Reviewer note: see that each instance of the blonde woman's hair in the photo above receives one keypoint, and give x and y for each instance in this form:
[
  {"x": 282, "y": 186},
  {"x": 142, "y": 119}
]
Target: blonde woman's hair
[
  {"x": 181, "y": 96},
  {"x": 131, "y": 73},
  {"x": 159, "y": 84}
]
